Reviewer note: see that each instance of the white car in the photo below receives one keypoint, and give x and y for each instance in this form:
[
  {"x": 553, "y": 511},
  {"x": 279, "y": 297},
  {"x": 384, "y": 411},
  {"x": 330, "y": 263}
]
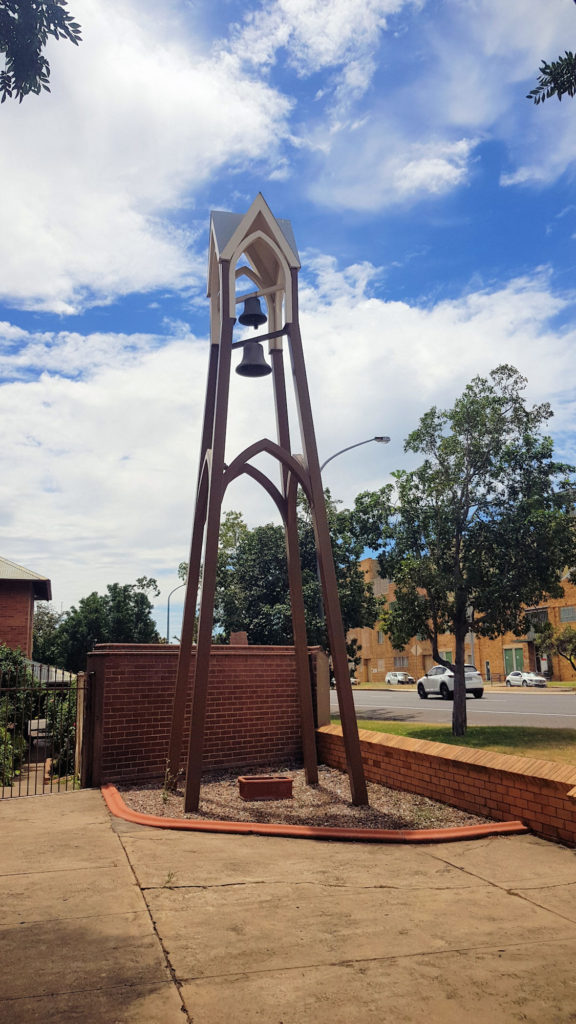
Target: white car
[
  {"x": 439, "y": 680},
  {"x": 518, "y": 678},
  {"x": 399, "y": 677}
]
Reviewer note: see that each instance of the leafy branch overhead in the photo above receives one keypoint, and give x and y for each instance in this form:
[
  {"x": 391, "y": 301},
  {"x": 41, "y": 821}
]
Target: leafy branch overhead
[
  {"x": 555, "y": 79},
  {"x": 25, "y": 27}
]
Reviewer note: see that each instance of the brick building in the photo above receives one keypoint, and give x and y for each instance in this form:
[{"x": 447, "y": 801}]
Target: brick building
[
  {"x": 19, "y": 588},
  {"x": 493, "y": 658}
]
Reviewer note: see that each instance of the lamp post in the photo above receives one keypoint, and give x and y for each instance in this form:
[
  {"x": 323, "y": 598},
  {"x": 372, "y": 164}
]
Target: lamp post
[
  {"x": 381, "y": 439},
  {"x": 179, "y": 587}
]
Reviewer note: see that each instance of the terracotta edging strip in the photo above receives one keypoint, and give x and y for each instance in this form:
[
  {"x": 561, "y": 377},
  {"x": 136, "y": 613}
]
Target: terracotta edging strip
[{"x": 119, "y": 809}]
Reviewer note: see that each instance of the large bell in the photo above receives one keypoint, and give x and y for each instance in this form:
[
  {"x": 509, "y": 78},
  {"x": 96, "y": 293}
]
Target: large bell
[
  {"x": 253, "y": 362},
  {"x": 252, "y": 315}
]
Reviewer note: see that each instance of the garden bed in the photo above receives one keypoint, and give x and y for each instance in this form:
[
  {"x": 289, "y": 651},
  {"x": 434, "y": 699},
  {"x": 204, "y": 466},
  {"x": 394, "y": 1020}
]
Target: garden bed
[{"x": 327, "y": 804}]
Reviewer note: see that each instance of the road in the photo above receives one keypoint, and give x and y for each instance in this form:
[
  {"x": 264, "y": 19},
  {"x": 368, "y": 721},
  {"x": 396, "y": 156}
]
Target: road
[{"x": 552, "y": 710}]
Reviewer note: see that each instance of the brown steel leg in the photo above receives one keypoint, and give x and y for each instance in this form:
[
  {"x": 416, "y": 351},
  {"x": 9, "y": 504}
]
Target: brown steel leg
[
  {"x": 327, "y": 571},
  {"x": 295, "y": 580},
  {"x": 187, "y": 634},
  {"x": 300, "y": 641},
  {"x": 205, "y": 623}
]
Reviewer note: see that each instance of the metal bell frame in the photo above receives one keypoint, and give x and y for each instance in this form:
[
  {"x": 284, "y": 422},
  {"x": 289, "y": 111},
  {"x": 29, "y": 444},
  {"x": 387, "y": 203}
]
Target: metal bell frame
[{"x": 272, "y": 263}]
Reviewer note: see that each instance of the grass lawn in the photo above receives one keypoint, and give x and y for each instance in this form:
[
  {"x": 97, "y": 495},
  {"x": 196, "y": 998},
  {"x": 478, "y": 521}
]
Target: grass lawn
[{"x": 547, "y": 744}]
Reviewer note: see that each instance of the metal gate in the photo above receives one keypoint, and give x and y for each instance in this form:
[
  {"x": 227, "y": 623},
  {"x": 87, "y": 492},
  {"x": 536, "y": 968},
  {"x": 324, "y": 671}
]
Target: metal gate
[{"x": 41, "y": 712}]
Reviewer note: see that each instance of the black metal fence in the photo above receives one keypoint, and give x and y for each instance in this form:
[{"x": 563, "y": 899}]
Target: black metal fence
[{"x": 40, "y": 727}]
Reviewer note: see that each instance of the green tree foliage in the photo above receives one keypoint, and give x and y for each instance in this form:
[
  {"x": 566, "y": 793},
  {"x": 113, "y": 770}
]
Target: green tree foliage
[
  {"x": 252, "y": 590},
  {"x": 481, "y": 529},
  {"x": 61, "y": 710},
  {"x": 561, "y": 642},
  {"x": 21, "y": 698},
  {"x": 45, "y": 634},
  {"x": 555, "y": 79},
  {"x": 25, "y": 27},
  {"x": 122, "y": 615}
]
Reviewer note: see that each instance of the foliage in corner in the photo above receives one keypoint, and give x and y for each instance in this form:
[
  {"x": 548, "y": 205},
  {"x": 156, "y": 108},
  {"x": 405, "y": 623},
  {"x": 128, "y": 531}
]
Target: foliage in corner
[
  {"x": 21, "y": 698},
  {"x": 25, "y": 27},
  {"x": 555, "y": 79}
]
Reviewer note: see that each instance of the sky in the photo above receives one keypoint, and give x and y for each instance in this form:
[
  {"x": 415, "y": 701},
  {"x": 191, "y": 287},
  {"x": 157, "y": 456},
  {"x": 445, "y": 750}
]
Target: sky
[{"x": 433, "y": 205}]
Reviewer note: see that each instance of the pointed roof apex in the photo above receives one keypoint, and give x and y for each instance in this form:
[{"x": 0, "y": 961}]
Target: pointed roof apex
[
  {"x": 228, "y": 230},
  {"x": 12, "y": 571}
]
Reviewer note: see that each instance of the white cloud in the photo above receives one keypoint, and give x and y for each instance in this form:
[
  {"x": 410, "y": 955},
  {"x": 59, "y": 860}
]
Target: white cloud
[
  {"x": 97, "y": 473},
  {"x": 68, "y": 353},
  {"x": 138, "y": 118},
  {"x": 374, "y": 170},
  {"x": 316, "y": 33},
  {"x": 484, "y": 59},
  {"x": 456, "y": 76}
]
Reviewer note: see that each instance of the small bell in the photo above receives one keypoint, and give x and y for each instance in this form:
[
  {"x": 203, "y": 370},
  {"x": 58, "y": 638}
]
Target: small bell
[
  {"x": 253, "y": 362},
  {"x": 252, "y": 315}
]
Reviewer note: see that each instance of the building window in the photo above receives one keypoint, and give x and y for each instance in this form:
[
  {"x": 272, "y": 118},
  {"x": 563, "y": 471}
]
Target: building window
[
  {"x": 568, "y": 614},
  {"x": 447, "y": 655},
  {"x": 380, "y": 636},
  {"x": 401, "y": 661},
  {"x": 380, "y": 664}
]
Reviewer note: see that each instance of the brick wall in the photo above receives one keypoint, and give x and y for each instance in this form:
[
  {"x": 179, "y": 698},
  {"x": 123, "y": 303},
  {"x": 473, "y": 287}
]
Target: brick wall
[
  {"x": 16, "y": 614},
  {"x": 252, "y": 714},
  {"x": 498, "y": 786}
]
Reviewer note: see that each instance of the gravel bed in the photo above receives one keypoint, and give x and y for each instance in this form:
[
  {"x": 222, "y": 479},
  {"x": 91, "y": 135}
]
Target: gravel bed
[{"x": 328, "y": 803}]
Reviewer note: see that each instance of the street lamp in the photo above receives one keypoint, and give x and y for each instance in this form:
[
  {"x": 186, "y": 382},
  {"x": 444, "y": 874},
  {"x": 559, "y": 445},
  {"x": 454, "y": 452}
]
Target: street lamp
[
  {"x": 179, "y": 587},
  {"x": 380, "y": 440}
]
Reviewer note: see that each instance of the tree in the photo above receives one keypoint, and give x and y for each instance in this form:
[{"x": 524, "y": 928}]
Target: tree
[
  {"x": 45, "y": 633},
  {"x": 252, "y": 590},
  {"x": 481, "y": 529},
  {"x": 25, "y": 27},
  {"x": 21, "y": 698},
  {"x": 122, "y": 615},
  {"x": 555, "y": 79},
  {"x": 561, "y": 642}
]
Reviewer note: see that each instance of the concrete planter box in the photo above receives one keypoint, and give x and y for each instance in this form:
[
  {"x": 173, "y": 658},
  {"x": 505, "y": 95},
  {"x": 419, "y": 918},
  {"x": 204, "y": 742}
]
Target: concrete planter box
[{"x": 265, "y": 787}]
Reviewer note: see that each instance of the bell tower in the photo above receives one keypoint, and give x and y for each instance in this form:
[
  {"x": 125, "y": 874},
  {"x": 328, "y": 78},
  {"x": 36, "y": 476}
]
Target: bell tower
[{"x": 257, "y": 246}]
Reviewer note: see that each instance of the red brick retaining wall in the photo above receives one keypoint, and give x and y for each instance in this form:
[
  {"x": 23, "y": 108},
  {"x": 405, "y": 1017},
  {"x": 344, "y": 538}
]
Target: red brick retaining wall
[
  {"x": 542, "y": 794},
  {"x": 252, "y": 714}
]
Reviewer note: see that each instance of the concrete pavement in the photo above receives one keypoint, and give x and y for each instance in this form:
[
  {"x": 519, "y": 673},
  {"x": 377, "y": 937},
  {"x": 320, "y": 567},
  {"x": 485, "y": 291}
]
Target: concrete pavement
[{"x": 102, "y": 920}]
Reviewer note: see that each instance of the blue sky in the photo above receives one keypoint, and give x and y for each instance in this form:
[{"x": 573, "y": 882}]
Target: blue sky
[{"x": 434, "y": 208}]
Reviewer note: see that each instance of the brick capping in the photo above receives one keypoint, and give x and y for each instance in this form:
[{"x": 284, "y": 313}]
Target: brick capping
[
  {"x": 501, "y": 786},
  {"x": 224, "y": 650}
]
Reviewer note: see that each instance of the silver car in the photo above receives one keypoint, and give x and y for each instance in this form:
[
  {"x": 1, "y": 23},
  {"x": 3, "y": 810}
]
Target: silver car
[
  {"x": 398, "y": 677},
  {"x": 518, "y": 678},
  {"x": 440, "y": 681}
]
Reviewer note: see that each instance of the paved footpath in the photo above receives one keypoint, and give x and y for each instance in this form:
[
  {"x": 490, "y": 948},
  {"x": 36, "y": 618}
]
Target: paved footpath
[{"x": 104, "y": 921}]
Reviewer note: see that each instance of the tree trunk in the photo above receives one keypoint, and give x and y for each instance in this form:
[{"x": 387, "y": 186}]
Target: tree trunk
[{"x": 459, "y": 721}]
